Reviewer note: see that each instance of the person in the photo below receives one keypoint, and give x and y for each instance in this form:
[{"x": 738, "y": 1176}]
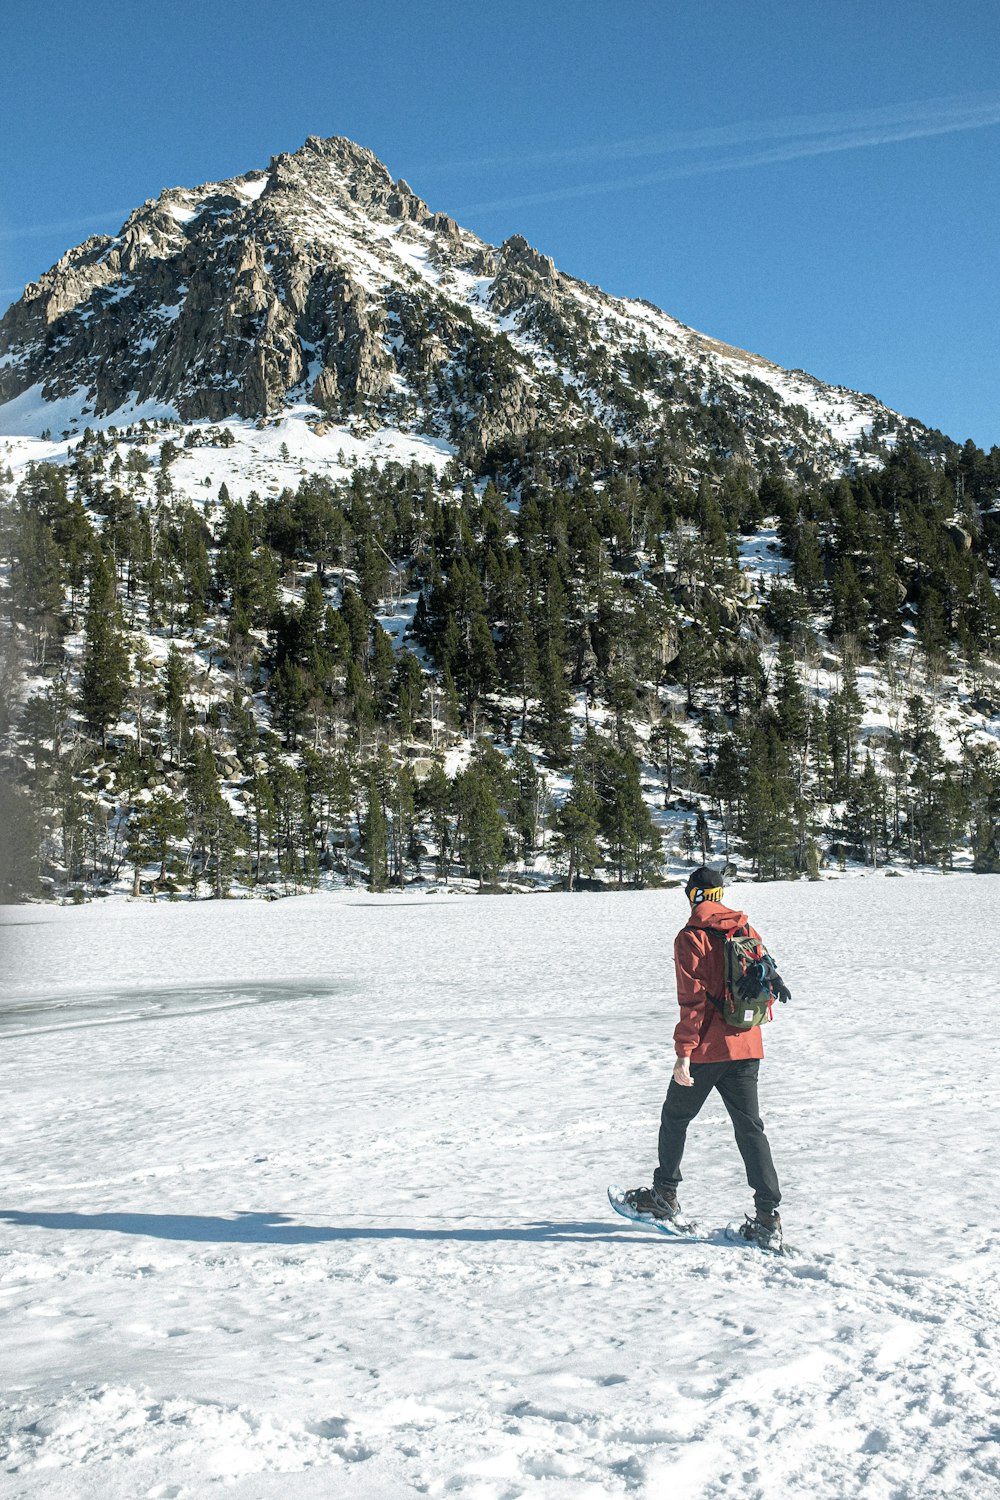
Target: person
[{"x": 712, "y": 1055}]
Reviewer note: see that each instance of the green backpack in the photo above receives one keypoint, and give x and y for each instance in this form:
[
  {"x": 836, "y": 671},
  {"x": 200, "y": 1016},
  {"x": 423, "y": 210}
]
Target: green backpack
[{"x": 751, "y": 979}]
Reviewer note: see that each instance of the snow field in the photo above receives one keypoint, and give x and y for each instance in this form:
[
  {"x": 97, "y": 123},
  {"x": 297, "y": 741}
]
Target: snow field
[{"x": 307, "y": 1198}]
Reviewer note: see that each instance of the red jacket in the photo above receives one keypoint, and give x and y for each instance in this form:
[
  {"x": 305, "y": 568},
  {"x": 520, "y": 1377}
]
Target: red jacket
[{"x": 701, "y": 1033}]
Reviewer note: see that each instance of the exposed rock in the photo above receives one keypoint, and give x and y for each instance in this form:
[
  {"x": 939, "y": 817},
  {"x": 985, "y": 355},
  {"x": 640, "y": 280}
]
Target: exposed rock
[
  {"x": 728, "y": 611},
  {"x": 484, "y": 262},
  {"x": 517, "y": 255},
  {"x": 669, "y": 645},
  {"x": 688, "y": 595},
  {"x": 444, "y": 225}
]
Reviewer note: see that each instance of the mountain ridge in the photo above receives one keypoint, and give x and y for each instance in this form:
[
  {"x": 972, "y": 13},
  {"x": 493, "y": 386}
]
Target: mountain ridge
[{"x": 323, "y": 280}]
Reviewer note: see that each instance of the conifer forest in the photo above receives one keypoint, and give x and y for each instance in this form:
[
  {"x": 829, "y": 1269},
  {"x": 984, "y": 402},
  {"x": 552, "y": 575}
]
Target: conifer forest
[{"x": 574, "y": 662}]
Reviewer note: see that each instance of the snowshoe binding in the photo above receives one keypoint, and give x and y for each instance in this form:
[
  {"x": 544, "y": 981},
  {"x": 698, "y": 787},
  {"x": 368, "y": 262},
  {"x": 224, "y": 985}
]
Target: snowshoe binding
[
  {"x": 654, "y": 1206},
  {"x": 763, "y": 1230}
]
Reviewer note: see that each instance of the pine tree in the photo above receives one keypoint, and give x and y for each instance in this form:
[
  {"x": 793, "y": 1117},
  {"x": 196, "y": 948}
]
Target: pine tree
[
  {"x": 528, "y": 794},
  {"x": 768, "y": 809},
  {"x": 865, "y": 822},
  {"x": 985, "y": 812},
  {"x": 626, "y": 823},
  {"x": 666, "y": 742},
  {"x": 553, "y": 730},
  {"x": 808, "y": 561},
  {"x": 850, "y": 607},
  {"x": 403, "y": 822},
  {"x": 382, "y": 668},
  {"x": 481, "y": 825},
  {"x": 36, "y": 582},
  {"x": 576, "y": 827},
  {"x": 291, "y": 832},
  {"x": 790, "y": 702},
  {"x": 104, "y": 682},
  {"x": 375, "y": 836},
  {"x": 175, "y": 686},
  {"x": 843, "y": 720},
  {"x": 408, "y": 690},
  {"x": 154, "y": 827},
  {"x": 203, "y": 796},
  {"x": 436, "y": 796},
  {"x": 262, "y": 817}
]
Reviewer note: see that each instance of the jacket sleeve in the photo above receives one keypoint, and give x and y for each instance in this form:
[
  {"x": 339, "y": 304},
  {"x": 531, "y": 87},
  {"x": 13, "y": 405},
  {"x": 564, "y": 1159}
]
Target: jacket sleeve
[{"x": 691, "y": 949}]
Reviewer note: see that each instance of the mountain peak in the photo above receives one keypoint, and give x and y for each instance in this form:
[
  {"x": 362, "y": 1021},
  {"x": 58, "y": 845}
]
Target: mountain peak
[
  {"x": 339, "y": 165},
  {"x": 322, "y": 279}
]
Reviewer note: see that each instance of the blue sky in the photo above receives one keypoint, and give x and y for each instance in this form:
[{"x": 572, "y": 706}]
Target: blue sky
[{"x": 817, "y": 183}]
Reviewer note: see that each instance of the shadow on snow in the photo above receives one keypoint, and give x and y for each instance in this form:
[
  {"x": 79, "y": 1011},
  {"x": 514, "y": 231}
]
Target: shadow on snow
[{"x": 279, "y": 1229}]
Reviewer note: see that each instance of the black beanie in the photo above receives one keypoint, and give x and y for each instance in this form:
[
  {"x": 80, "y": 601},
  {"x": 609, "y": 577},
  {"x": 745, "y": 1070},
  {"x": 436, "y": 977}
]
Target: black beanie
[{"x": 703, "y": 879}]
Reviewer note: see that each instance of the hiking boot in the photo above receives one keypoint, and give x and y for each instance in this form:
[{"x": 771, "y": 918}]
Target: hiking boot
[
  {"x": 655, "y": 1203},
  {"x": 764, "y": 1229}
]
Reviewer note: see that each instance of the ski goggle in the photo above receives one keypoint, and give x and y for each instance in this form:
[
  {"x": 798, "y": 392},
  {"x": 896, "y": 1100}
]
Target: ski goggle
[{"x": 714, "y": 894}]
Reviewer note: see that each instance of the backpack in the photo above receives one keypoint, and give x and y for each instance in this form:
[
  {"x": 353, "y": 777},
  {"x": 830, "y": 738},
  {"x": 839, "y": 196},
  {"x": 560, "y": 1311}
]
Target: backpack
[{"x": 747, "y": 998}]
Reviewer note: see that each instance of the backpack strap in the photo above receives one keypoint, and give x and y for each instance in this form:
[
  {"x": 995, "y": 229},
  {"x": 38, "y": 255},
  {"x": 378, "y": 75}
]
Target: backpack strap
[{"x": 697, "y": 927}]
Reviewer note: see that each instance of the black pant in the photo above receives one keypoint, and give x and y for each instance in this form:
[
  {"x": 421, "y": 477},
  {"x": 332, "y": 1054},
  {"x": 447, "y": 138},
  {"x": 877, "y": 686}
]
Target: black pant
[{"x": 737, "y": 1083}]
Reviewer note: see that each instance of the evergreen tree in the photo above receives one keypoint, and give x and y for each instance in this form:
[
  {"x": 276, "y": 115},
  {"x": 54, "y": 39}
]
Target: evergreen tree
[
  {"x": 383, "y": 666},
  {"x": 375, "y": 836},
  {"x": 104, "y": 682},
  {"x": 807, "y": 561},
  {"x": 154, "y": 828},
  {"x": 553, "y": 730},
  {"x": 173, "y": 699},
  {"x": 626, "y": 823},
  {"x": 666, "y": 742},
  {"x": 865, "y": 822},
  {"x": 402, "y": 820},
  {"x": 576, "y": 828},
  {"x": 843, "y": 720},
  {"x": 850, "y": 608},
  {"x": 790, "y": 703},
  {"x": 408, "y": 690},
  {"x": 481, "y": 826},
  {"x": 528, "y": 793},
  {"x": 436, "y": 796},
  {"x": 768, "y": 810},
  {"x": 205, "y": 804}
]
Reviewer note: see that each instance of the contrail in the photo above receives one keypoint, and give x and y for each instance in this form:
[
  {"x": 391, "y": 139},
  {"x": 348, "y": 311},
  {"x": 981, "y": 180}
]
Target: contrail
[
  {"x": 796, "y": 138},
  {"x": 26, "y": 231},
  {"x": 970, "y": 110}
]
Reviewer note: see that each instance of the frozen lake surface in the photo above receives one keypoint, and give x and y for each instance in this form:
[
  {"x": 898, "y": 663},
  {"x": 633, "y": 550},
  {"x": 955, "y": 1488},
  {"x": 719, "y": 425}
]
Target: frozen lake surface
[{"x": 308, "y": 1198}]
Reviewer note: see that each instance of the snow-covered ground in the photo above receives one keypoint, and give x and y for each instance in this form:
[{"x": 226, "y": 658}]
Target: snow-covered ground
[{"x": 308, "y": 1198}]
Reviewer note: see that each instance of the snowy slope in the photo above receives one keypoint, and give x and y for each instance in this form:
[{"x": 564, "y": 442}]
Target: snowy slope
[{"x": 309, "y": 1200}]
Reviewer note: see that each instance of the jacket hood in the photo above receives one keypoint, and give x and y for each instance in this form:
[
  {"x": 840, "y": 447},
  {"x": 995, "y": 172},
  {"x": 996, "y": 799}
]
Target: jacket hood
[{"x": 714, "y": 915}]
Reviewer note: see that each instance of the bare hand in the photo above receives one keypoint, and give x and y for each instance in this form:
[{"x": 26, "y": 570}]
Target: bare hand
[{"x": 682, "y": 1072}]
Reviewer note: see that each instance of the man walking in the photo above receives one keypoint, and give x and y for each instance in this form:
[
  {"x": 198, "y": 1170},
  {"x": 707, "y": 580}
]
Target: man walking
[{"x": 712, "y": 1054}]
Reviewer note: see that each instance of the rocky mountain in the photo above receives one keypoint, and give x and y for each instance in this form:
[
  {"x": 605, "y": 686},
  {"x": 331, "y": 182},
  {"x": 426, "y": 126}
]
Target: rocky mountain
[{"x": 320, "y": 280}]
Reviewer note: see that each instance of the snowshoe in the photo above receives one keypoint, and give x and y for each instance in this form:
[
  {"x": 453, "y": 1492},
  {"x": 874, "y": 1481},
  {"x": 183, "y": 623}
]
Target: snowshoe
[
  {"x": 763, "y": 1230},
  {"x": 651, "y": 1206}
]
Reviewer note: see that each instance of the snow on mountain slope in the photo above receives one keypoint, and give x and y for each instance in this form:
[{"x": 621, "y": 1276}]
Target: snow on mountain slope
[
  {"x": 323, "y": 280},
  {"x": 309, "y": 1198}
]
